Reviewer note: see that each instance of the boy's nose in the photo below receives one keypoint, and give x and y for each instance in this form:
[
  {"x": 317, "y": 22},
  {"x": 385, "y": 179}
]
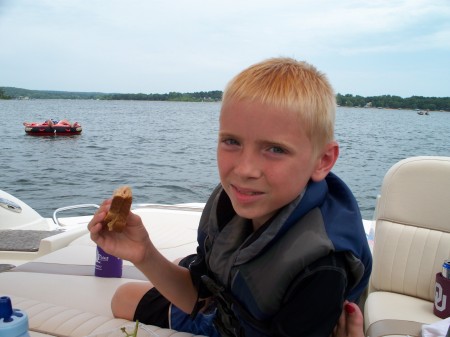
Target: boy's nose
[{"x": 248, "y": 166}]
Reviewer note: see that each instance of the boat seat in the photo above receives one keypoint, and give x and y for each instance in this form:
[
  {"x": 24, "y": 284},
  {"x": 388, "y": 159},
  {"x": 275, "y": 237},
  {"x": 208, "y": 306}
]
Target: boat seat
[
  {"x": 62, "y": 297},
  {"x": 80, "y": 292},
  {"x": 54, "y": 320},
  {"x": 412, "y": 240},
  {"x": 67, "y": 276}
]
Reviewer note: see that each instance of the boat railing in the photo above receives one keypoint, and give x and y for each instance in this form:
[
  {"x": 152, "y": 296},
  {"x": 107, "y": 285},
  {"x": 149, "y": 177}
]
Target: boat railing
[
  {"x": 193, "y": 207},
  {"x": 190, "y": 207},
  {"x": 72, "y": 207}
]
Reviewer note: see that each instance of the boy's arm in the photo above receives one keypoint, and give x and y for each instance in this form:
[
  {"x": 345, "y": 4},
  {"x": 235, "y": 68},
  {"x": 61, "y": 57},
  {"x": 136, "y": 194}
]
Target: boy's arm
[
  {"x": 134, "y": 244},
  {"x": 315, "y": 302},
  {"x": 172, "y": 281}
]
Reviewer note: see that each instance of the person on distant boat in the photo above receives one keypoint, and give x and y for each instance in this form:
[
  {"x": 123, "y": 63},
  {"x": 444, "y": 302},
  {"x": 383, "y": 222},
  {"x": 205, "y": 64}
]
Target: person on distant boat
[
  {"x": 51, "y": 122},
  {"x": 281, "y": 244},
  {"x": 64, "y": 122}
]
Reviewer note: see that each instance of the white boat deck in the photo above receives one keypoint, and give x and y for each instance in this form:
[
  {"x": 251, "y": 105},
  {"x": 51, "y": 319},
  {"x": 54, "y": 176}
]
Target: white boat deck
[{"x": 56, "y": 285}]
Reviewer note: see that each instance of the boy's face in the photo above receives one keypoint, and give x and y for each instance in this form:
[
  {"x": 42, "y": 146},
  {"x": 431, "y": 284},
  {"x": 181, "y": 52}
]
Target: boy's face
[{"x": 264, "y": 158}]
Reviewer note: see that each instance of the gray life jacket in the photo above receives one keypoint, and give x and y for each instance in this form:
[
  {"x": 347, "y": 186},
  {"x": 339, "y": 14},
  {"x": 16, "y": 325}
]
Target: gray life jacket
[{"x": 252, "y": 275}]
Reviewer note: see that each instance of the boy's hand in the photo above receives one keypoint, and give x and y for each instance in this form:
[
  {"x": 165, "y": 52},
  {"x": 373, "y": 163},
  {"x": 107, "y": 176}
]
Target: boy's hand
[
  {"x": 350, "y": 322},
  {"x": 132, "y": 244}
]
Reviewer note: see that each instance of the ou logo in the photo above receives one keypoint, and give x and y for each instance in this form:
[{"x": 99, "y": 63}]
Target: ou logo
[{"x": 440, "y": 300}]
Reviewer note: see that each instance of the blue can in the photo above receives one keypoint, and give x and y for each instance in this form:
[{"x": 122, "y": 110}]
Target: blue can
[{"x": 446, "y": 269}]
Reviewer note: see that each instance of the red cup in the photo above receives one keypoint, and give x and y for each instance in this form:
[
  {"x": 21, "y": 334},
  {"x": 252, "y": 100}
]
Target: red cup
[{"x": 442, "y": 297}]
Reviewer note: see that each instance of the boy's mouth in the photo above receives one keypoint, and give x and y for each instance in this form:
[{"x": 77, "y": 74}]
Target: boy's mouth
[{"x": 245, "y": 192}]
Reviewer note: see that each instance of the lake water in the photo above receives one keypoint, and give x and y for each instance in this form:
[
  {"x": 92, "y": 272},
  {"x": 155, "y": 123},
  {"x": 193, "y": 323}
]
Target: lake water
[{"x": 166, "y": 150}]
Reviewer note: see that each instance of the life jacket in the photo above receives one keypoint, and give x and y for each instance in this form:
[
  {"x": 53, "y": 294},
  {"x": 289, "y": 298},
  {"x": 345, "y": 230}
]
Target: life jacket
[{"x": 250, "y": 279}]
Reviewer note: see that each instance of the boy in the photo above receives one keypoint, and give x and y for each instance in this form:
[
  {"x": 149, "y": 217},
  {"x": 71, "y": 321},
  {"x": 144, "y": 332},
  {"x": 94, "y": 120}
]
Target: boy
[{"x": 281, "y": 240}]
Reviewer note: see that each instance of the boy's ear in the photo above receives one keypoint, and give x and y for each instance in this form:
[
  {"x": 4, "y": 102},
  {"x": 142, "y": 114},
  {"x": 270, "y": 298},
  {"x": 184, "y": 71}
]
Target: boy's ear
[{"x": 325, "y": 161}]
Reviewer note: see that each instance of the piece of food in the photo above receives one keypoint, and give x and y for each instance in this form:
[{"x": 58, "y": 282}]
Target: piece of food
[{"x": 120, "y": 207}]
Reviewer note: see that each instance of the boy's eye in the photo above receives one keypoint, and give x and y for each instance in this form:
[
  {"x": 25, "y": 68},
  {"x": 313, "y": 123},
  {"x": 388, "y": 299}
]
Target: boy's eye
[
  {"x": 277, "y": 149},
  {"x": 230, "y": 141}
]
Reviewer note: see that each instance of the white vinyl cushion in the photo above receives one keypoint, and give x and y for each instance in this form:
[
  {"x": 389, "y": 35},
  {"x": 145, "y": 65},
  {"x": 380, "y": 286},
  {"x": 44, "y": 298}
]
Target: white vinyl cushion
[
  {"x": 412, "y": 240},
  {"x": 62, "y": 321},
  {"x": 407, "y": 258},
  {"x": 416, "y": 191}
]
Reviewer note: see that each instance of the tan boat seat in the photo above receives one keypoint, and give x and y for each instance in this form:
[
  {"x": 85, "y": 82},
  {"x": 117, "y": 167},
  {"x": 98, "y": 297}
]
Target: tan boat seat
[{"x": 412, "y": 240}]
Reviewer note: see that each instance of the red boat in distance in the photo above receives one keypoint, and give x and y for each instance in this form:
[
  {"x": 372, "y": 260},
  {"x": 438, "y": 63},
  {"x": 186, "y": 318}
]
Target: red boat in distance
[{"x": 52, "y": 128}]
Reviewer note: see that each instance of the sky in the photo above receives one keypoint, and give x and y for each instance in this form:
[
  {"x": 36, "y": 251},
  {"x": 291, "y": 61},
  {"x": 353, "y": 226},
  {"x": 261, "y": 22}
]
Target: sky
[{"x": 367, "y": 48}]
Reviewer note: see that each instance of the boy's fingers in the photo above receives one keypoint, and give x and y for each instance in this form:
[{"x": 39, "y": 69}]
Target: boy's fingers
[
  {"x": 96, "y": 228},
  {"x": 354, "y": 320},
  {"x": 100, "y": 214}
]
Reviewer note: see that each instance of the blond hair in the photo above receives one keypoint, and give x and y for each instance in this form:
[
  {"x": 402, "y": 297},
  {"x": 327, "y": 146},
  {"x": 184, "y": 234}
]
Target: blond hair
[{"x": 292, "y": 85}]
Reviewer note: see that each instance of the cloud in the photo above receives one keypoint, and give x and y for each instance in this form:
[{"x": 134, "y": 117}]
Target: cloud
[{"x": 160, "y": 46}]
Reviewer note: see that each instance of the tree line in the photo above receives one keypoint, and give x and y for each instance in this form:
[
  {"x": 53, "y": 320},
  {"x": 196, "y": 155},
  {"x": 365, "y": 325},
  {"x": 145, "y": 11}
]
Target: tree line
[
  {"x": 18, "y": 93},
  {"x": 395, "y": 102},
  {"x": 348, "y": 100},
  {"x": 3, "y": 95},
  {"x": 201, "y": 96}
]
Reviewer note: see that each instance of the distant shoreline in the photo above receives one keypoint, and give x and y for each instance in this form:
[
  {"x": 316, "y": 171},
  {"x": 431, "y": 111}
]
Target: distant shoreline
[{"x": 348, "y": 100}]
